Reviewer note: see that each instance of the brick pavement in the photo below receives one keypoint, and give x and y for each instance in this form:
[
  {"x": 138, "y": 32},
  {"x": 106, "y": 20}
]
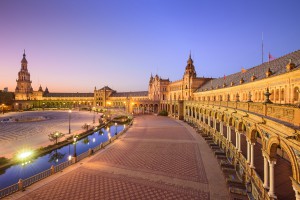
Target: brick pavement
[{"x": 158, "y": 158}]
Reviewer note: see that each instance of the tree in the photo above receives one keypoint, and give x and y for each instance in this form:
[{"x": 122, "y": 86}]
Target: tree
[
  {"x": 85, "y": 126},
  {"x": 53, "y": 137}
]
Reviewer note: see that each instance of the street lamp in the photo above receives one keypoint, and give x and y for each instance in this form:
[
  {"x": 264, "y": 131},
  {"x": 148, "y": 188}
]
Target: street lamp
[
  {"x": 116, "y": 127},
  {"x": 94, "y": 116},
  {"x": 74, "y": 139},
  {"x": 70, "y": 111}
]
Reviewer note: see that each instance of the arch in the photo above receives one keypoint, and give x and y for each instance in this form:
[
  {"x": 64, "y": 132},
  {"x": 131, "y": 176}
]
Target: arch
[
  {"x": 230, "y": 121},
  {"x": 215, "y": 115},
  {"x": 252, "y": 135},
  {"x": 272, "y": 145},
  {"x": 239, "y": 125}
]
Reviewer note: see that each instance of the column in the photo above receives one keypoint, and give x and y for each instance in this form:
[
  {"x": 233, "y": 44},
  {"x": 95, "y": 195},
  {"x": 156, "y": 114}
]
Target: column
[
  {"x": 208, "y": 121},
  {"x": 236, "y": 140},
  {"x": 252, "y": 155},
  {"x": 266, "y": 173},
  {"x": 215, "y": 124},
  {"x": 229, "y": 133},
  {"x": 248, "y": 151},
  {"x": 221, "y": 128},
  {"x": 239, "y": 142},
  {"x": 272, "y": 183},
  {"x": 296, "y": 193}
]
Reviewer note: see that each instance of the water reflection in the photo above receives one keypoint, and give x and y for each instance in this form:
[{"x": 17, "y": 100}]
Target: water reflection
[
  {"x": 86, "y": 141},
  {"x": 55, "y": 156}
]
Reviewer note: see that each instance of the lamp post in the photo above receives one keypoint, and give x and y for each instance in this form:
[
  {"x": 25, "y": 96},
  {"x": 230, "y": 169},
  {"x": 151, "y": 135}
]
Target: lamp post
[
  {"x": 74, "y": 139},
  {"x": 70, "y": 111},
  {"x": 94, "y": 116},
  {"x": 116, "y": 127}
]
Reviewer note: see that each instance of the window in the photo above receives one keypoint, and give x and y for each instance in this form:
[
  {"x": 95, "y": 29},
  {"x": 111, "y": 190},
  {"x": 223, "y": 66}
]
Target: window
[
  {"x": 282, "y": 95},
  {"x": 296, "y": 94}
]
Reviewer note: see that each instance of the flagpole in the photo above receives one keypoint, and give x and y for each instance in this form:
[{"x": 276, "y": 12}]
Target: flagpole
[{"x": 262, "y": 47}]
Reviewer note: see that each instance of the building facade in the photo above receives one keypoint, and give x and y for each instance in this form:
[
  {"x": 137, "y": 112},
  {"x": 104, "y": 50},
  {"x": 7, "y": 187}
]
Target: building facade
[{"x": 252, "y": 115}]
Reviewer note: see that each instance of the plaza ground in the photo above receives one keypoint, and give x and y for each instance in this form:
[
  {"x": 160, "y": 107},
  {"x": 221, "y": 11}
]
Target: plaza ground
[
  {"x": 158, "y": 158},
  {"x": 15, "y": 136}
]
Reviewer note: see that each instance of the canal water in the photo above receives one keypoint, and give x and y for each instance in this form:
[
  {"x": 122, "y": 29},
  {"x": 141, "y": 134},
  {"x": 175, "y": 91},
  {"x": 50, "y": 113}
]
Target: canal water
[{"x": 32, "y": 167}]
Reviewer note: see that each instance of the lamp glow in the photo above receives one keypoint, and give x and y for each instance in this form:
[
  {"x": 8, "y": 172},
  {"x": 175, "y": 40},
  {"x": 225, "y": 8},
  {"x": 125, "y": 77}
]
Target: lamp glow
[{"x": 25, "y": 155}]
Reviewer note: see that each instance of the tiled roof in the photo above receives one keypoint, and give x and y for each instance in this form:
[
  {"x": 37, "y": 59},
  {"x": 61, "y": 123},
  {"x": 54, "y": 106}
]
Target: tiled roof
[
  {"x": 69, "y": 95},
  {"x": 130, "y": 94},
  {"x": 277, "y": 66}
]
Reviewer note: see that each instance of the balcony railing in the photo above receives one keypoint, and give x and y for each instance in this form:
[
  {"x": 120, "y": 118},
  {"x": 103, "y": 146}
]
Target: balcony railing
[{"x": 282, "y": 113}]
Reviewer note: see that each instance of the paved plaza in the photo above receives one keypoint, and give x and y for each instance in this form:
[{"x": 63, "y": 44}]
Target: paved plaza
[
  {"x": 17, "y": 135},
  {"x": 158, "y": 158}
]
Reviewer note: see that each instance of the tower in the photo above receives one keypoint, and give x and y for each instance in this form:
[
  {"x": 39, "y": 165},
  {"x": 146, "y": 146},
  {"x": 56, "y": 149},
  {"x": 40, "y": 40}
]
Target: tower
[
  {"x": 23, "y": 90},
  {"x": 188, "y": 76}
]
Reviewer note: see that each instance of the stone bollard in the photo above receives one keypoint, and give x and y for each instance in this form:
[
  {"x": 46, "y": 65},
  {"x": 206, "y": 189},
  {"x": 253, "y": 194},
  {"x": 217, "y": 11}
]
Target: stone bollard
[
  {"x": 52, "y": 170},
  {"x": 20, "y": 184},
  {"x": 101, "y": 146},
  {"x": 91, "y": 151}
]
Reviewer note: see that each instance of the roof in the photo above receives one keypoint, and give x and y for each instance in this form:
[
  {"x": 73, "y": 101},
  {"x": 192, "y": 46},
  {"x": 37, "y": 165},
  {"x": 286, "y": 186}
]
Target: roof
[
  {"x": 277, "y": 66},
  {"x": 106, "y": 88},
  {"x": 69, "y": 95},
  {"x": 24, "y": 59},
  {"x": 130, "y": 94}
]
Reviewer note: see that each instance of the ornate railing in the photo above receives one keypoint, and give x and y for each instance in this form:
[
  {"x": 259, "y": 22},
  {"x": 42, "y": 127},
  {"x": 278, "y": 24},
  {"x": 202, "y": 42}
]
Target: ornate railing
[
  {"x": 29, "y": 181},
  {"x": 62, "y": 166},
  {"x": 285, "y": 113},
  {"x": 9, "y": 190}
]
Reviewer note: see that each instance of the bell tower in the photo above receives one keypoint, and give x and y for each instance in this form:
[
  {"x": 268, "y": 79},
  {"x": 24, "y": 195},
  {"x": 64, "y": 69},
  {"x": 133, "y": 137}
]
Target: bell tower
[
  {"x": 23, "y": 90},
  {"x": 189, "y": 75}
]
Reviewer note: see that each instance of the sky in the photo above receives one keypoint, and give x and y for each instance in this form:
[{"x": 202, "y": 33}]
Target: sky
[{"x": 75, "y": 45}]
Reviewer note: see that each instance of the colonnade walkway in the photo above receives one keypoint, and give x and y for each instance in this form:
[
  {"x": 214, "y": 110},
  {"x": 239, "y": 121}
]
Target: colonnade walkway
[{"x": 158, "y": 158}]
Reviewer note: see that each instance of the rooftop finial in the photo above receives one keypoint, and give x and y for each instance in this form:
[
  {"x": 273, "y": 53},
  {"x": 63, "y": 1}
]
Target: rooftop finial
[
  {"x": 24, "y": 53},
  {"x": 190, "y": 54}
]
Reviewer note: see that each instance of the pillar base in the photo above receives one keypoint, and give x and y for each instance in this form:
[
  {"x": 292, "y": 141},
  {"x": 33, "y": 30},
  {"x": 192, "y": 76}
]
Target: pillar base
[
  {"x": 266, "y": 187},
  {"x": 272, "y": 196}
]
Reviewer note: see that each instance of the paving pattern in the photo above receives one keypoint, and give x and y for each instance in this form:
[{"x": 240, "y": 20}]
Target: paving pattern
[{"x": 158, "y": 158}]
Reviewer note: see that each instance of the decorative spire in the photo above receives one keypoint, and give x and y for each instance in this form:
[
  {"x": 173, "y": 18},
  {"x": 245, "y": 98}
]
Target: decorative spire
[{"x": 24, "y": 58}]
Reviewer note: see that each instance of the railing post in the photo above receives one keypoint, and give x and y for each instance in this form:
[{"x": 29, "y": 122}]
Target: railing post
[
  {"x": 74, "y": 159},
  {"x": 20, "y": 184},
  {"x": 90, "y": 151},
  {"x": 52, "y": 169}
]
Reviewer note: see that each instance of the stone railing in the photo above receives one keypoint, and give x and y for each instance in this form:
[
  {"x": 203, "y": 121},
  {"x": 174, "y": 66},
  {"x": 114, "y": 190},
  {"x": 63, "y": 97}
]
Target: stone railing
[{"x": 283, "y": 113}]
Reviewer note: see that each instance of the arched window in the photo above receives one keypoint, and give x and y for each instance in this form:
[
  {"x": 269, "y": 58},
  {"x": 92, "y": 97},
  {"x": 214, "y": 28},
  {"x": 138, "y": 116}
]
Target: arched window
[
  {"x": 296, "y": 94},
  {"x": 277, "y": 95},
  {"x": 282, "y": 94}
]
